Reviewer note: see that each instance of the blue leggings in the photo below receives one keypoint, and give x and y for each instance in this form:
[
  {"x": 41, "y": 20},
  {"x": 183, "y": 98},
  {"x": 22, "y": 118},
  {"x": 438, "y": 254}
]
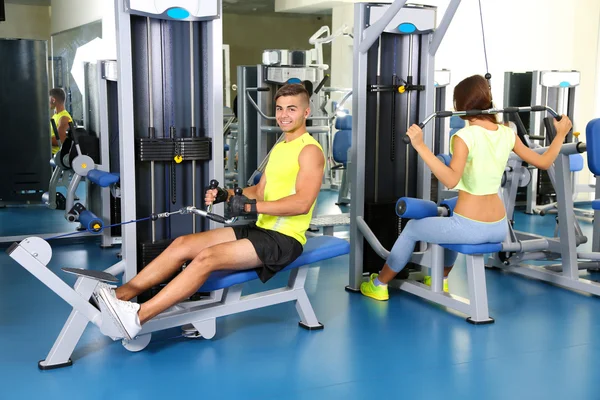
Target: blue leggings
[{"x": 444, "y": 230}]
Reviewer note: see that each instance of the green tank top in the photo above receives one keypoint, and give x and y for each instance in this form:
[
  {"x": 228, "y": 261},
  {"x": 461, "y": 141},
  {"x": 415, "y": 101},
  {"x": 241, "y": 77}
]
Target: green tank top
[
  {"x": 281, "y": 172},
  {"x": 56, "y": 117},
  {"x": 488, "y": 155}
]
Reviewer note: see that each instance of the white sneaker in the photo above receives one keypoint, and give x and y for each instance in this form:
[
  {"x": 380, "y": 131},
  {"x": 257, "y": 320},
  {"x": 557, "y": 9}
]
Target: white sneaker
[
  {"x": 108, "y": 326},
  {"x": 123, "y": 313},
  {"x": 101, "y": 285},
  {"x": 110, "y": 288}
]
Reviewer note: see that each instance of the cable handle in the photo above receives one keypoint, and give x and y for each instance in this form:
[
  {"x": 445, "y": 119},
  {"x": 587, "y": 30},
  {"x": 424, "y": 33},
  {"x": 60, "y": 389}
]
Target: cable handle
[{"x": 212, "y": 185}]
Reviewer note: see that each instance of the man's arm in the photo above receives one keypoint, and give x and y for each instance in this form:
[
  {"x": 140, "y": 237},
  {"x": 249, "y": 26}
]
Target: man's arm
[
  {"x": 308, "y": 185},
  {"x": 63, "y": 126}
]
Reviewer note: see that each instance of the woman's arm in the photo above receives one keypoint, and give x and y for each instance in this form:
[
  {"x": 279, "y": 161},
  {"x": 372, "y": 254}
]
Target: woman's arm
[
  {"x": 448, "y": 175},
  {"x": 545, "y": 160}
]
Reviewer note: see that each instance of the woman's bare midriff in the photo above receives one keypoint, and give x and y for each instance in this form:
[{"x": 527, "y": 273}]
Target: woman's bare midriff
[{"x": 486, "y": 208}]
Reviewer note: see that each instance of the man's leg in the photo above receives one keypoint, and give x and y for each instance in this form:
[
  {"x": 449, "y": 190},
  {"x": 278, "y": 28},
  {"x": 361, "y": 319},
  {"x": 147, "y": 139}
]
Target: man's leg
[
  {"x": 128, "y": 317},
  {"x": 164, "y": 266},
  {"x": 237, "y": 255}
]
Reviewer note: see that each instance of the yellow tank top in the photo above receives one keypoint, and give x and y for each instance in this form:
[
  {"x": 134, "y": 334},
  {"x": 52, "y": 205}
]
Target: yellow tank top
[
  {"x": 486, "y": 161},
  {"x": 281, "y": 173},
  {"x": 56, "y": 117}
]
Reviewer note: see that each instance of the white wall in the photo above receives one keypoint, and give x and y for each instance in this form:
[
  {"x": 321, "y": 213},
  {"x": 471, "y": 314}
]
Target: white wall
[
  {"x": 68, "y": 14},
  {"x": 525, "y": 36},
  {"x": 26, "y": 22},
  {"x": 520, "y": 36},
  {"x": 342, "y": 51}
]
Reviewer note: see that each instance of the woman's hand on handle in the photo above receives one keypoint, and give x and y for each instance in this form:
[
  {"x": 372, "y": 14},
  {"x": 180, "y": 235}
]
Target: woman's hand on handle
[
  {"x": 563, "y": 126},
  {"x": 415, "y": 133}
]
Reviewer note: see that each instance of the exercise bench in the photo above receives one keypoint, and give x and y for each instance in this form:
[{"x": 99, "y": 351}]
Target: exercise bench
[{"x": 200, "y": 316}]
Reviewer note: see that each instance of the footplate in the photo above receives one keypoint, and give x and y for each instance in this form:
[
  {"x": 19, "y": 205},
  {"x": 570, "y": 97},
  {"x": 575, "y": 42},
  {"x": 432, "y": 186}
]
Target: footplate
[{"x": 97, "y": 275}]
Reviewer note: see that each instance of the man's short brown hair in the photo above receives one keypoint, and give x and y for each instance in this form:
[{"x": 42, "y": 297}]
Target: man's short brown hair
[
  {"x": 58, "y": 94},
  {"x": 293, "y": 89}
]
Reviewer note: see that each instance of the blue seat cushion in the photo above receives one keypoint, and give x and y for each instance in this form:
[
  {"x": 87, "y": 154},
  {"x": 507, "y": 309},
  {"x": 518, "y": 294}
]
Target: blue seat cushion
[
  {"x": 457, "y": 122},
  {"x": 343, "y": 122},
  {"x": 316, "y": 249},
  {"x": 103, "y": 178},
  {"x": 596, "y": 205},
  {"x": 576, "y": 162},
  {"x": 445, "y": 158},
  {"x": 474, "y": 248},
  {"x": 342, "y": 140},
  {"x": 226, "y": 147},
  {"x": 592, "y": 138}
]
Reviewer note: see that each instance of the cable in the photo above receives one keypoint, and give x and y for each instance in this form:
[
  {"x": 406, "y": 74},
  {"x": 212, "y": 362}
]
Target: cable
[
  {"x": 109, "y": 226},
  {"x": 488, "y": 76}
]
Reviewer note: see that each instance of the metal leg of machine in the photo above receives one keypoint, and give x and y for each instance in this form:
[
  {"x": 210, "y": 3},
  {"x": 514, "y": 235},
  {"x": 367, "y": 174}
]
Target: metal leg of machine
[{"x": 520, "y": 246}]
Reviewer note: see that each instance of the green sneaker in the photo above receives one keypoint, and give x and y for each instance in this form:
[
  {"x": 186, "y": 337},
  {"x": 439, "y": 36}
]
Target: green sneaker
[
  {"x": 427, "y": 281},
  {"x": 375, "y": 292}
]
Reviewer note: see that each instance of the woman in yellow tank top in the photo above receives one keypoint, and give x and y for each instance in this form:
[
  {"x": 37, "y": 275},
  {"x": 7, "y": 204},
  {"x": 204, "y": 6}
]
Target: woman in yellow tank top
[{"x": 479, "y": 155}]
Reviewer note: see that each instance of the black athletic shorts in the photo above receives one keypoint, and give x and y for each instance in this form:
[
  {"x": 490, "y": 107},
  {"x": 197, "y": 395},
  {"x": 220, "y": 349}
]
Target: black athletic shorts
[{"x": 275, "y": 250}]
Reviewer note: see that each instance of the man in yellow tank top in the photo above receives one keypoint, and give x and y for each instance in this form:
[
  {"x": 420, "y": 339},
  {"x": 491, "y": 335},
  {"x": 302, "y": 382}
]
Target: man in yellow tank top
[
  {"x": 284, "y": 200},
  {"x": 61, "y": 118}
]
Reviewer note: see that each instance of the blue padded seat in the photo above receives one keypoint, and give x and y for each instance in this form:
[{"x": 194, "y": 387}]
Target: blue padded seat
[
  {"x": 445, "y": 158},
  {"x": 592, "y": 139},
  {"x": 316, "y": 249},
  {"x": 596, "y": 205},
  {"x": 456, "y": 124},
  {"x": 576, "y": 162},
  {"x": 226, "y": 147},
  {"x": 257, "y": 178},
  {"x": 342, "y": 140},
  {"x": 103, "y": 178},
  {"x": 474, "y": 248},
  {"x": 343, "y": 123}
]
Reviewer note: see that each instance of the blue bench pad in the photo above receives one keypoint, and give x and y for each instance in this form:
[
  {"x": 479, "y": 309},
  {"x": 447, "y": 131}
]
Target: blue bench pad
[
  {"x": 596, "y": 205},
  {"x": 474, "y": 248},
  {"x": 316, "y": 249},
  {"x": 103, "y": 178}
]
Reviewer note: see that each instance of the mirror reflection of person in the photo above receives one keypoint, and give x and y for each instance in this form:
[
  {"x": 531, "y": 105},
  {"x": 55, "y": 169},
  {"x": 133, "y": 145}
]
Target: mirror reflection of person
[{"x": 61, "y": 117}]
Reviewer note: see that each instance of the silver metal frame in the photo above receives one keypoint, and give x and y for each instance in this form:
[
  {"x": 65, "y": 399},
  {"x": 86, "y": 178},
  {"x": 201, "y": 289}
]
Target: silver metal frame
[
  {"x": 541, "y": 94},
  {"x": 528, "y": 246},
  {"x": 106, "y": 72}
]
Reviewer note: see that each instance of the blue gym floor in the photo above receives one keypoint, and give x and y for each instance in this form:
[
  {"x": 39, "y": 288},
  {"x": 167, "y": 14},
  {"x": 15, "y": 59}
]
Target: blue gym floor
[
  {"x": 23, "y": 220},
  {"x": 542, "y": 346}
]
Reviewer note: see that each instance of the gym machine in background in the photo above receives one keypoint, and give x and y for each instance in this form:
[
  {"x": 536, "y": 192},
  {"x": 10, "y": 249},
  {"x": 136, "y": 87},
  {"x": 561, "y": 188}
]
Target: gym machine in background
[
  {"x": 555, "y": 89},
  {"x": 168, "y": 120},
  {"x": 394, "y": 87},
  {"x": 257, "y": 130},
  {"x": 170, "y": 114},
  {"x": 24, "y": 112}
]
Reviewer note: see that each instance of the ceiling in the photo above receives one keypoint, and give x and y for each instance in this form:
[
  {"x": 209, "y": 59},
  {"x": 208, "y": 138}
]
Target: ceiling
[
  {"x": 249, "y": 6},
  {"x": 29, "y": 2},
  {"x": 253, "y": 6},
  {"x": 229, "y": 6}
]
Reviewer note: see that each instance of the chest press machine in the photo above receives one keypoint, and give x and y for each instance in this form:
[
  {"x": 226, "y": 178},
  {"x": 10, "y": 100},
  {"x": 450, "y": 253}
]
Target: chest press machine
[
  {"x": 158, "y": 150},
  {"x": 394, "y": 43}
]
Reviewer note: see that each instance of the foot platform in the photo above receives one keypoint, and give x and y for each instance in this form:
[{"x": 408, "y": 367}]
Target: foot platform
[{"x": 97, "y": 275}]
